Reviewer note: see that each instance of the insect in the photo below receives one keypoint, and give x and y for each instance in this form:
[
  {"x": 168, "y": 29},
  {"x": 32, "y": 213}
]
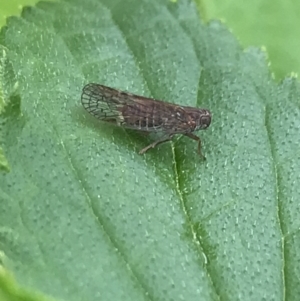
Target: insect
[{"x": 144, "y": 114}]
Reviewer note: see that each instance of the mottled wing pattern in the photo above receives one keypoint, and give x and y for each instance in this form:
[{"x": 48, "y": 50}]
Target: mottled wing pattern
[
  {"x": 133, "y": 111},
  {"x": 103, "y": 102}
]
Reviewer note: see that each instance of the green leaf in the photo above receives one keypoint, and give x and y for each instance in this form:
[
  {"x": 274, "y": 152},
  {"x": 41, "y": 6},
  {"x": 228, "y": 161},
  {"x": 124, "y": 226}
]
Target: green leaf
[
  {"x": 9, "y": 291},
  {"x": 84, "y": 217},
  {"x": 8, "y": 8},
  {"x": 271, "y": 23}
]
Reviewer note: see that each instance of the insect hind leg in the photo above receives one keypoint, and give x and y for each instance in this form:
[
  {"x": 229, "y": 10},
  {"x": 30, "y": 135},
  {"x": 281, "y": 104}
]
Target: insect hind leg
[{"x": 155, "y": 143}]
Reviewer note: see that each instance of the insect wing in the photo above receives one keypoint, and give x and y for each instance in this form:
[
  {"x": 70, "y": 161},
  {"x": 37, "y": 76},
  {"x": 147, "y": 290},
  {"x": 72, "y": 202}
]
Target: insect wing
[
  {"x": 122, "y": 108},
  {"x": 103, "y": 102},
  {"x": 177, "y": 121}
]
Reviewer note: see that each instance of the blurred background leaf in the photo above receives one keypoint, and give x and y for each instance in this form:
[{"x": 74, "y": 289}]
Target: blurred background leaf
[
  {"x": 13, "y": 7},
  {"x": 273, "y": 24}
]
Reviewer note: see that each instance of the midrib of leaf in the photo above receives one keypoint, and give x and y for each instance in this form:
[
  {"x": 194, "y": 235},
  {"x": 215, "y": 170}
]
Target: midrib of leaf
[
  {"x": 195, "y": 236},
  {"x": 176, "y": 179},
  {"x": 277, "y": 189}
]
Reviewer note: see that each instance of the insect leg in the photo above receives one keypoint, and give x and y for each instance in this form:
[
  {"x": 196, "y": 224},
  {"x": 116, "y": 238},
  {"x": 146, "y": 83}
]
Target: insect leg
[
  {"x": 194, "y": 137},
  {"x": 155, "y": 143}
]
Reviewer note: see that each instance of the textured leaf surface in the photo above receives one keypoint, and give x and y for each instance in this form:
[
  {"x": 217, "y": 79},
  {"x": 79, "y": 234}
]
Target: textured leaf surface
[{"x": 84, "y": 217}]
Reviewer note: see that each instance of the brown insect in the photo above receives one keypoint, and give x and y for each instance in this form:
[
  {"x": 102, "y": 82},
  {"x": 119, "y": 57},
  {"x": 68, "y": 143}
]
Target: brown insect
[{"x": 144, "y": 114}]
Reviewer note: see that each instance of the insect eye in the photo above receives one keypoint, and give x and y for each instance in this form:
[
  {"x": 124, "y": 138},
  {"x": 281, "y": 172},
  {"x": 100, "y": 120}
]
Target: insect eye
[{"x": 205, "y": 121}]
